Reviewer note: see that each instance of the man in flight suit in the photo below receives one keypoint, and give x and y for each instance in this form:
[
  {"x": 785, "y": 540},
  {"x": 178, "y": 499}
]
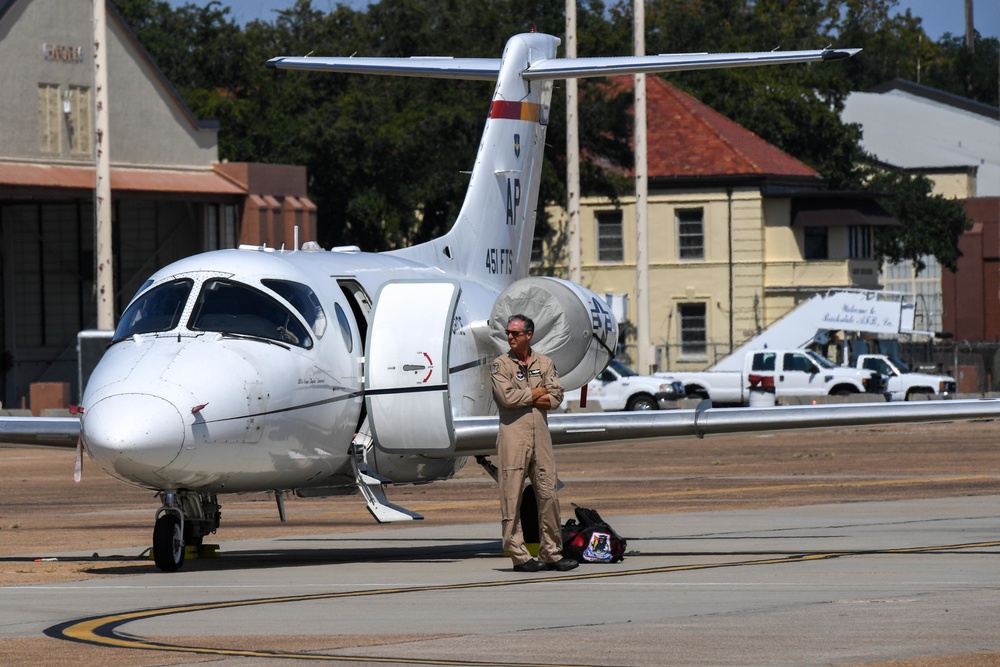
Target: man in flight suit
[{"x": 525, "y": 387}]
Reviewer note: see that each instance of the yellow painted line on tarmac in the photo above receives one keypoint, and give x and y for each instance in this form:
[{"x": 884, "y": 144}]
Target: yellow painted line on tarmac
[{"x": 103, "y": 630}]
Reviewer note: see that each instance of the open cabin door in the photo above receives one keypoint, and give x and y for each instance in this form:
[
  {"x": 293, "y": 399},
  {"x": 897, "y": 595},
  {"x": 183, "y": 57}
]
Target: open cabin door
[{"x": 406, "y": 383}]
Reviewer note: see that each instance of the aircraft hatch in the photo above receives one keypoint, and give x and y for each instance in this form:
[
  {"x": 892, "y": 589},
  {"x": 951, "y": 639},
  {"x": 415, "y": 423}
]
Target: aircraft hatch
[{"x": 406, "y": 383}]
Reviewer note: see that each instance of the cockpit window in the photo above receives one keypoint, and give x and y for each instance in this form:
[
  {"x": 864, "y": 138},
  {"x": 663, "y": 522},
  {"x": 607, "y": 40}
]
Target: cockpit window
[
  {"x": 230, "y": 307},
  {"x": 159, "y": 309},
  {"x": 303, "y": 300}
]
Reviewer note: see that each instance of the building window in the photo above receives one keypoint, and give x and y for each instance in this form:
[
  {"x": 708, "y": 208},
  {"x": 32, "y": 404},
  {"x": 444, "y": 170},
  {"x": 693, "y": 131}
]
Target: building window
[
  {"x": 49, "y": 118},
  {"x": 691, "y": 233},
  {"x": 694, "y": 330},
  {"x": 537, "y": 246},
  {"x": 816, "y": 245},
  {"x": 859, "y": 242},
  {"x": 610, "y": 247},
  {"x": 220, "y": 226},
  {"x": 80, "y": 130}
]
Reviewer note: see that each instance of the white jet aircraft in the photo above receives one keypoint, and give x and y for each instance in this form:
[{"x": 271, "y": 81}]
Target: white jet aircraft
[{"x": 327, "y": 373}]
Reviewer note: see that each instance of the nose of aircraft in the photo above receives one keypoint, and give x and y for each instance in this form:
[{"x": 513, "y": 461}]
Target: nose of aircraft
[{"x": 132, "y": 435}]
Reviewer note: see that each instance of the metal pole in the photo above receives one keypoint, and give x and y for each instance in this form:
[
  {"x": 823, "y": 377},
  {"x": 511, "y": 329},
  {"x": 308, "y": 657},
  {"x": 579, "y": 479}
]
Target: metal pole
[
  {"x": 572, "y": 154},
  {"x": 104, "y": 276},
  {"x": 641, "y": 193}
]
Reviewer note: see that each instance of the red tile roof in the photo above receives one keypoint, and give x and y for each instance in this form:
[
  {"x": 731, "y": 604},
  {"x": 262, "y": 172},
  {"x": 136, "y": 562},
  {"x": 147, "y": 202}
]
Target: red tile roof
[{"x": 689, "y": 139}]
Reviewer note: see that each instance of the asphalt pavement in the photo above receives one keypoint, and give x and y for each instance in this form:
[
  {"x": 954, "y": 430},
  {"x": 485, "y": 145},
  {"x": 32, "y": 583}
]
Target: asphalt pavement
[{"x": 836, "y": 584}]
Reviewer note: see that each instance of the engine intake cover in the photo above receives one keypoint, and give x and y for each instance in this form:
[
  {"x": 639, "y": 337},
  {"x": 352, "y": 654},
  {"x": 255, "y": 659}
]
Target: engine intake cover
[{"x": 573, "y": 326}]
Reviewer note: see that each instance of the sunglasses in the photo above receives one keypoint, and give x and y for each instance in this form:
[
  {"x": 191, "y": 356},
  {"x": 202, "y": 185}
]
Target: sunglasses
[{"x": 515, "y": 334}]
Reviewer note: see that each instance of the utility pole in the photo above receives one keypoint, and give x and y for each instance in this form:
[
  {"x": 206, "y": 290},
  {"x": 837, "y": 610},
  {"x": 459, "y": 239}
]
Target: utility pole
[
  {"x": 104, "y": 276},
  {"x": 970, "y": 29},
  {"x": 572, "y": 154},
  {"x": 641, "y": 196}
]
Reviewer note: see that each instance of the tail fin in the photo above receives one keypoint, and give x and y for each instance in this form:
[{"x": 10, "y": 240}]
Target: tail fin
[{"x": 491, "y": 240}]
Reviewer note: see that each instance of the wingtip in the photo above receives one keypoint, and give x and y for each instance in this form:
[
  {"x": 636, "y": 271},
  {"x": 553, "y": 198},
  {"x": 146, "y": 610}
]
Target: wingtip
[{"x": 839, "y": 54}]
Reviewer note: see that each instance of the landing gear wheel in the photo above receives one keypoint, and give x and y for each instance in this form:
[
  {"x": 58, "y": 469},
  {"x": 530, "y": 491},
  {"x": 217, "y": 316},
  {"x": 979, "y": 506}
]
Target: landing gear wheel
[{"x": 168, "y": 543}]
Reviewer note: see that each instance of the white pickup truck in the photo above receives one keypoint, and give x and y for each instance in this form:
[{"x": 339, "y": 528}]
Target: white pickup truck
[
  {"x": 904, "y": 384},
  {"x": 790, "y": 373},
  {"x": 618, "y": 387}
]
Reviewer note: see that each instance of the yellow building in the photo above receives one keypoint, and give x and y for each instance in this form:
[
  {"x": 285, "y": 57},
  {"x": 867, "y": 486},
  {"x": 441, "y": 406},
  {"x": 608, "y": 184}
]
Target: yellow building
[{"x": 739, "y": 234}]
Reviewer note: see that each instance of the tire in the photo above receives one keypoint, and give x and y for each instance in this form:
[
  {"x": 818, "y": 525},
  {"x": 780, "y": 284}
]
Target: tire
[
  {"x": 168, "y": 543},
  {"x": 641, "y": 402},
  {"x": 918, "y": 394},
  {"x": 697, "y": 392},
  {"x": 842, "y": 391}
]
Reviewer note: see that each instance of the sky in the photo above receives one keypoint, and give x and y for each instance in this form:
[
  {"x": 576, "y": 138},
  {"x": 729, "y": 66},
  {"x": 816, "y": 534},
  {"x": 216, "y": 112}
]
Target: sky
[{"x": 939, "y": 16}]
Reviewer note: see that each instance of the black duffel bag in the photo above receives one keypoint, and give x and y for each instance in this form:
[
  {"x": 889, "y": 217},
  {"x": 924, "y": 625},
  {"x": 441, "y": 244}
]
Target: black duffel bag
[{"x": 589, "y": 539}]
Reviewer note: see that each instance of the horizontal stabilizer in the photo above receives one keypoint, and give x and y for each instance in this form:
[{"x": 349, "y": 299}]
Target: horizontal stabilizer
[
  {"x": 569, "y": 68},
  {"x": 474, "y": 69},
  {"x": 487, "y": 69}
]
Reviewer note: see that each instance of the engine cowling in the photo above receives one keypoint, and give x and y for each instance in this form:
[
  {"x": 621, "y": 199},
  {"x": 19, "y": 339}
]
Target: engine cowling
[{"x": 573, "y": 326}]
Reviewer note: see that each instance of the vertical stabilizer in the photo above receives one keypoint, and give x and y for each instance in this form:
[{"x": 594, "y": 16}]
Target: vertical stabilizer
[{"x": 491, "y": 239}]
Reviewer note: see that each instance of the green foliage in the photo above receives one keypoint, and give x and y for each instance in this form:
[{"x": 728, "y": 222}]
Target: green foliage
[
  {"x": 931, "y": 223},
  {"x": 388, "y": 158}
]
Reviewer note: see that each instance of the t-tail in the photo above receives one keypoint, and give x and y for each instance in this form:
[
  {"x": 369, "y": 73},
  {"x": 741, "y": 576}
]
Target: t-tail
[{"x": 491, "y": 240}]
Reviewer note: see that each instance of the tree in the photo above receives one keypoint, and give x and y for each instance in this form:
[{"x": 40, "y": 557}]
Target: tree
[
  {"x": 932, "y": 224},
  {"x": 386, "y": 155},
  {"x": 969, "y": 74}
]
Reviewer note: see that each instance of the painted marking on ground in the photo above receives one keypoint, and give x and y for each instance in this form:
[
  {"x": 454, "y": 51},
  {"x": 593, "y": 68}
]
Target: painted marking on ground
[{"x": 103, "y": 630}]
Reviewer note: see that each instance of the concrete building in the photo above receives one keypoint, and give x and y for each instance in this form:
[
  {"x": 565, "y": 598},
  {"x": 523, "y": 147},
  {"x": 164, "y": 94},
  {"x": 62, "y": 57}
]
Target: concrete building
[
  {"x": 171, "y": 197},
  {"x": 739, "y": 234},
  {"x": 953, "y": 141},
  {"x": 972, "y": 294}
]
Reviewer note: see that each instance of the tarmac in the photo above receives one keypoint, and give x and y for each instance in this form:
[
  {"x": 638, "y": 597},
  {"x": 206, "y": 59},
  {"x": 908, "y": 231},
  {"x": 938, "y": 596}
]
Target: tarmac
[{"x": 902, "y": 582}]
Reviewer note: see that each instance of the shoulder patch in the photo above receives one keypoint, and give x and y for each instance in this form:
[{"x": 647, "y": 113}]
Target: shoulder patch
[{"x": 495, "y": 368}]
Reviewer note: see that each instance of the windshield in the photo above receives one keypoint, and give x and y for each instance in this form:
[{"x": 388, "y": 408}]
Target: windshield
[
  {"x": 898, "y": 363},
  {"x": 234, "y": 308},
  {"x": 622, "y": 369},
  {"x": 820, "y": 359},
  {"x": 303, "y": 300},
  {"x": 159, "y": 309}
]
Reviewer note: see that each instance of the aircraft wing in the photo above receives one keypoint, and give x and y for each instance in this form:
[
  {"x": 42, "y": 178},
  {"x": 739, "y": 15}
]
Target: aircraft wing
[
  {"x": 477, "y": 435},
  {"x": 42, "y": 431},
  {"x": 487, "y": 69}
]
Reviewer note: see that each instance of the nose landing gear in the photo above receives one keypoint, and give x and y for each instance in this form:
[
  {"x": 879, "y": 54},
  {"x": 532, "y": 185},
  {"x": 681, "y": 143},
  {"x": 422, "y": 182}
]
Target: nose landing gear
[{"x": 182, "y": 521}]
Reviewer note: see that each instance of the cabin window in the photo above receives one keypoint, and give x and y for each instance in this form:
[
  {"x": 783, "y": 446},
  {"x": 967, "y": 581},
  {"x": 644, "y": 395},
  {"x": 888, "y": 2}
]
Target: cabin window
[
  {"x": 159, "y": 309},
  {"x": 233, "y": 308},
  {"x": 304, "y": 300},
  {"x": 345, "y": 327}
]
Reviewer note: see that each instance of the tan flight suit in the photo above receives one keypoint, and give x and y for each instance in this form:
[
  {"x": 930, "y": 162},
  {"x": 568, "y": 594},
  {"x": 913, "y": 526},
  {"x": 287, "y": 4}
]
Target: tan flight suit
[{"x": 524, "y": 449}]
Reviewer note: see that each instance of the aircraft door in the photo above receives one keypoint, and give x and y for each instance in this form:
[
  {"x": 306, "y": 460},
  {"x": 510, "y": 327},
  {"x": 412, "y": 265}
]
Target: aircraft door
[{"x": 406, "y": 377}]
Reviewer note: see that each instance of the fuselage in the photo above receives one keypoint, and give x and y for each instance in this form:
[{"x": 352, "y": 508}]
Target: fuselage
[{"x": 243, "y": 370}]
